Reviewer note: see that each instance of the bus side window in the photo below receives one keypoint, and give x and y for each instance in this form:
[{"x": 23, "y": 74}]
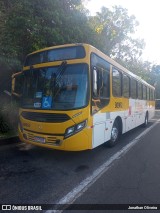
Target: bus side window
[
  {"x": 133, "y": 88},
  {"x": 126, "y": 86},
  {"x": 144, "y": 92},
  {"x": 151, "y": 94},
  {"x": 139, "y": 91},
  {"x": 147, "y": 93},
  {"x": 116, "y": 83}
]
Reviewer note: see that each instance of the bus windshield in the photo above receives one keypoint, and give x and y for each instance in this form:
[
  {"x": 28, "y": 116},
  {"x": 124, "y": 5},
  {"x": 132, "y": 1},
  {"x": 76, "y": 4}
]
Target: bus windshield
[{"x": 60, "y": 88}]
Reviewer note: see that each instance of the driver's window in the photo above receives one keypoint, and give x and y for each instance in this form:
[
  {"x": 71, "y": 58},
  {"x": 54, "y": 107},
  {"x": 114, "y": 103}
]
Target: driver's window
[{"x": 102, "y": 83}]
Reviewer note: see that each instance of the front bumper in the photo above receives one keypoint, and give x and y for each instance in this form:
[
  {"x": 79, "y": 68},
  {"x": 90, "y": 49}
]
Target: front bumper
[{"x": 77, "y": 142}]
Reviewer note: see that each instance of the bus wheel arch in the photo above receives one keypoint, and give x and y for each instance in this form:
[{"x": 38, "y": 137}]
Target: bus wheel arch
[
  {"x": 145, "y": 124},
  {"x": 115, "y": 132}
]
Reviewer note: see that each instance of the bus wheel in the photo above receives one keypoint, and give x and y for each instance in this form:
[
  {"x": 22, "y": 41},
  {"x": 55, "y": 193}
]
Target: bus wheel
[
  {"x": 114, "y": 134},
  {"x": 146, "y": 120}
]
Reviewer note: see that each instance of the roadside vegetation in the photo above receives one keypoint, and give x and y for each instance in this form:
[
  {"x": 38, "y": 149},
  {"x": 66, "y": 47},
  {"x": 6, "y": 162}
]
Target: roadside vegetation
[{"x": 28, "y": 25}]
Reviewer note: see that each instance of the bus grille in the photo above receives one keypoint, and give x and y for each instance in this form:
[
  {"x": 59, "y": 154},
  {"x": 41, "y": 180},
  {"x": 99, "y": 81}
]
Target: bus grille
[{"x": 45, "y": 117}]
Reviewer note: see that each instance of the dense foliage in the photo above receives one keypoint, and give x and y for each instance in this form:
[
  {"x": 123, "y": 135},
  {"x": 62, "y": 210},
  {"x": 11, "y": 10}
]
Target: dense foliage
[{"x": 28, "y": 25}]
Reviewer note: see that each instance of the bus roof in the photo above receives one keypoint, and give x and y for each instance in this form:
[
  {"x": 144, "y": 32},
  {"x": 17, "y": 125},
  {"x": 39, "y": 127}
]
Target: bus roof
[{"x": 93, "y": 49}]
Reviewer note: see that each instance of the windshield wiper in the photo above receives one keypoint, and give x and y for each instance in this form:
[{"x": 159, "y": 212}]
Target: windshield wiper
[
  {"x": 58, "y": 77},
  {"x": 60, "y": 72}
]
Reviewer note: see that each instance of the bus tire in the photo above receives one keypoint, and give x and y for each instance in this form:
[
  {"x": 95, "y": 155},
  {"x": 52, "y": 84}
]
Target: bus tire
[
  {"x": 145, "y": 124},
  {"x": 115, "y": 133}
]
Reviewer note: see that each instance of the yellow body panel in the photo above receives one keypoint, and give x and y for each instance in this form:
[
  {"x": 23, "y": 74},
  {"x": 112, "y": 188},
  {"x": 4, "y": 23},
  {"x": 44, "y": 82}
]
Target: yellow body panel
[
  {"x": 52, "y": 132},
  {"x": 78, "y": 142}
]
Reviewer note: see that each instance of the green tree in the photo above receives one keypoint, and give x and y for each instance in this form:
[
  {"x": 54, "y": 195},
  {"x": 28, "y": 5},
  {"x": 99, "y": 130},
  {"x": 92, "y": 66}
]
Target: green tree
[
  {"x": 30, "y": 25},
  {"x": 129, "y": 50},
  {"x": 113, "y": 27}
]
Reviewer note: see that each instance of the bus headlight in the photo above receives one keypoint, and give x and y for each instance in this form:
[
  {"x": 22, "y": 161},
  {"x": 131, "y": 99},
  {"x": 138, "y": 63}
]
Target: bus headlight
[
  {"x": 74, "y": 129},
  {"x": 69, "y": 131}
]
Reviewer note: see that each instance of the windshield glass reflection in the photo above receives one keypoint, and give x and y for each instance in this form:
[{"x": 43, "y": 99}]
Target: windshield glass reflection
[{"x": 60, "y": 88}]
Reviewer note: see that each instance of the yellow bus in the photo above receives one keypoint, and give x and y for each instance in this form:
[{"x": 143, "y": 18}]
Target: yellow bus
[{"x": 74, "y": 97}]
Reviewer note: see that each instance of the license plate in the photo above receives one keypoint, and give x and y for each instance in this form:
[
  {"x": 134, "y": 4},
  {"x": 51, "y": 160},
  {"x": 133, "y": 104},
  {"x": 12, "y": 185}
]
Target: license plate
[{"x": 39, "y": 139}]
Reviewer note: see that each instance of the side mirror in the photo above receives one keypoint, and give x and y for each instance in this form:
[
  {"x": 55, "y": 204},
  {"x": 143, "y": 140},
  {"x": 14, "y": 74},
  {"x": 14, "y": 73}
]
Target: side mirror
[
  {"x": 17, "y": 81},
  {"x": 95, "y": 87}
]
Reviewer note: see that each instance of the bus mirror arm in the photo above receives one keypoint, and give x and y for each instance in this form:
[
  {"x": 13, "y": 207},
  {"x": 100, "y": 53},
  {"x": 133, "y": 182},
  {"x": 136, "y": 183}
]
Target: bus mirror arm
[
  {"x": 13, "y": 88},
  {"x": 16, "y": 95},
  {"x": 13, "y": 93}
]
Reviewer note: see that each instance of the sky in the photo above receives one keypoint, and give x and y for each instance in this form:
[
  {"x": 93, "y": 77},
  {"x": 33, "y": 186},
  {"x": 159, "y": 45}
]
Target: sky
[{"x": 147, "y": 13}]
